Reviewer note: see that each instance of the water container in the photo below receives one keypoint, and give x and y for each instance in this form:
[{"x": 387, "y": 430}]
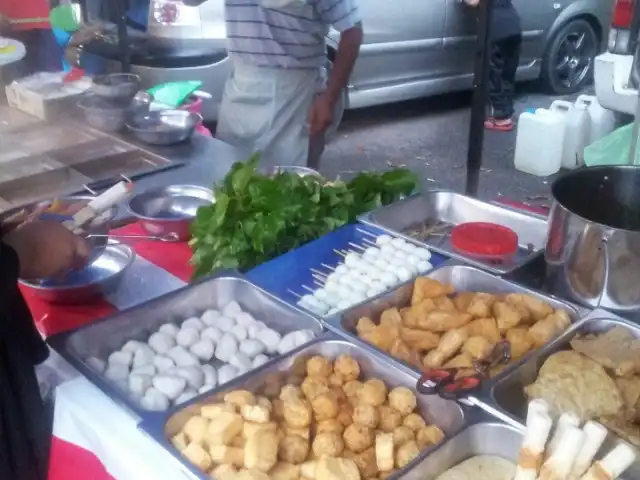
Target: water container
[
  {"x": 539, "y": 141},
  {"x": 603, "y": 121},
  {"x": 576, "y": 133}
]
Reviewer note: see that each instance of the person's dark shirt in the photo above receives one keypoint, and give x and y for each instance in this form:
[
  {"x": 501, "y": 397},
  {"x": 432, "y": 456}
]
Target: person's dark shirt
[{"x": 505, "y": 20}]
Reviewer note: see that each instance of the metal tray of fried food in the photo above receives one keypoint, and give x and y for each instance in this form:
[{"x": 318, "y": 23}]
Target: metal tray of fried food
[
  {"x": 462, "y": 278},
  {"x": 291, "y": 369},
  {"x": 507, "y": 394},
  {"x": 430, "y": 216},
  {"x": 101, "y": 338},
  {"x": 485, "y": 437}
]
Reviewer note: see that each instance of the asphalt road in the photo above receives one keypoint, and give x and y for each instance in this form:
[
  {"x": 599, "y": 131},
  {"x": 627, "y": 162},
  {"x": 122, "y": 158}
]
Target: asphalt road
[{"x": 430, "y": 137}]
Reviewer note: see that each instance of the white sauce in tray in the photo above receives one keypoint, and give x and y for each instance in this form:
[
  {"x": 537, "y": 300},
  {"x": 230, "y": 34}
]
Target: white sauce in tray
[{"x": 482, "y": 467}]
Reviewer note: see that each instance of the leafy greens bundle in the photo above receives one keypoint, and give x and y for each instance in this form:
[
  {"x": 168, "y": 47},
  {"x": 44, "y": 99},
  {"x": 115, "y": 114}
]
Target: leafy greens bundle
[{"x": 256, "y": 217}]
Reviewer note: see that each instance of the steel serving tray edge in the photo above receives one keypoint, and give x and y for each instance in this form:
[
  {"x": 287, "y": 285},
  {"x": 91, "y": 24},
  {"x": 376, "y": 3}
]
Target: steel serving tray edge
[
  {"x": 463, "y": 278},
  {"x": 492, "y": 215},
  {"x": 290, "y": 368},
  {"x": 137, "y": 323}
]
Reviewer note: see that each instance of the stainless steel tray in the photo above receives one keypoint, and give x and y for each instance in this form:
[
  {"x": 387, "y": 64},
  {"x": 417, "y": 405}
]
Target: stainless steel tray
[
  {"x": 101, "y": 338},
  {"x": 507, "y": 393},
  {"x": 446, "y": 414},
  {"x": 487, "y": 437},
  {"x": 454, "y": 208},
  {"x": 462, "y": 278}
]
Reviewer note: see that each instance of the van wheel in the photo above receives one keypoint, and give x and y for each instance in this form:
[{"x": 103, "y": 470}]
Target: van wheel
[{"x": 568, "y": 62}]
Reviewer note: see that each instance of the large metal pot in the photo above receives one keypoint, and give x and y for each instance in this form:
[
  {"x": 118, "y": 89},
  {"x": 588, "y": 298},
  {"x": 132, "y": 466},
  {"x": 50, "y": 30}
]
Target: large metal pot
[{"x": 593, "y": 246}]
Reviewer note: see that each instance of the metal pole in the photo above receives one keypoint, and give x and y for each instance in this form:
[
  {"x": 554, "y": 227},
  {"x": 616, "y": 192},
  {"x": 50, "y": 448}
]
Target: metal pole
[
  {"x": 120, "y": 7},
  {"x": 635, "y": 131},
  {"x": 478, "y": 107}
]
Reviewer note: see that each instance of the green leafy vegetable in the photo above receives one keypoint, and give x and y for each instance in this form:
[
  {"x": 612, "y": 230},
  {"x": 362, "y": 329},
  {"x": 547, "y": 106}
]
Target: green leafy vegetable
[{"x": 256, "y": 218}]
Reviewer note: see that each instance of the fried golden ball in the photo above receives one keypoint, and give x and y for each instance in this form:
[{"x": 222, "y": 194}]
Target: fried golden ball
[
  {"x": 390, "y": 418},
  {"x": 428, "y": 436},
  {"x": 351, "y": 389},
  {"x": 346, "y": 366},
  {"x": 366, "y": 415},
  {"x": 373, "y": 392},
  {"x": 402, "y": 435},
  {"x": 319, "y": 366},
  {"x": 345, "y": 414},
  {"x": 293, "y": 449},
  {"x": 414, "y": 421},
  {"x": 406, "y": 453},
  {"x": 289, "y": 392},
  {"x": 327, "y": 443},
  {"x": 314, "y": 386},
  {"x": 358, "y": 437},
  {"x": 297, "y": 413},
  {"x": 336, "y": 379},
  {"x": 325, "y": 406},
  {"x": 331, "y": 425},
  {"x": 403, "y": 400}
]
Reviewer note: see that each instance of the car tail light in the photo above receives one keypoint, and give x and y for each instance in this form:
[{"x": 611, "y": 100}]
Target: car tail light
[
  {"x": 623, "y": 14},
  {"x": 621, "y": 24}
]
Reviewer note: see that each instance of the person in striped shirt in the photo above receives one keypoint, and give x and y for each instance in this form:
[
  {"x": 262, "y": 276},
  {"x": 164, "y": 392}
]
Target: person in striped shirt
[{"x": 277, "y": 97}]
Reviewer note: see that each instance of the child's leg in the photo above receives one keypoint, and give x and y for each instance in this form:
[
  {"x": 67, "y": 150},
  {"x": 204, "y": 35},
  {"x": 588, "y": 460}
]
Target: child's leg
[
  {"x": 501, "y": 110},
  {"x": 511, "y": 52}
]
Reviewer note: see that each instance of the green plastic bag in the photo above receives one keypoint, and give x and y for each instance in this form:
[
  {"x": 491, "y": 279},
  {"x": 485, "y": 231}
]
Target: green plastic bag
[
  {"x": 173, "y": 94},
  {"x": 612, "y": 149}
]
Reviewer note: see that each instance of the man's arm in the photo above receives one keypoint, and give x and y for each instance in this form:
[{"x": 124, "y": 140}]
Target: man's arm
[
  {"x": 346, "y": 56},
  {"x": 343, "y": 16}
]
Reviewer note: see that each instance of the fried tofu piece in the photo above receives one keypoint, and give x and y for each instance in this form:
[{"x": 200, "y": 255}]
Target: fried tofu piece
[
  {"x": 538, "y": 309},
  {"x": 462, "y": 300},
  {"x": 366, "y": 462},
  {"x": 285, "y": 471},
  {"x": 250, "y": 428},
  {"x": 445, "y": 304},
  {"x": 419, "y": 339},
  {"x": 239, "y": 398},
  {"x": 480, "y": 305},
  {"x": 261, "y": 451},
  {"x": 433, "y": 359},
  {"x": 330, "y": 468},
  {"x": 391, "y": 317},
  {"x": 449, "y": 345},
  {"x": 384, "y": 452},
  {"x": 418, "y": 312},
  {"x": 364, "y": 324},
  {"x": 180, "y": 441},
  {"x": 424, "y": 288},
  {"x": 211, "y": 411},
  {"x": 506, "y": 316},
  {"x": 517, "y": 302},
  {"x": 379, "y": 337},
  {"x": 477, "y": 347},
  {"x": 196, "y": 429},
  {"x": 224, "y": 472},
  {"x": 547, "y": 329},
  {"x": 463, "y": 361},
  {"x": 520, "y": 342},
  {"x": 484, "y": 327},
  {"x": 255, "y": 413},
  {"x": 197, "y": 455},
  {"x": 402, "y": 351},
  {"x": 227, "y": 455},
  {"x": 225, "y": 426},
  {"x": 442, "y": 321}
]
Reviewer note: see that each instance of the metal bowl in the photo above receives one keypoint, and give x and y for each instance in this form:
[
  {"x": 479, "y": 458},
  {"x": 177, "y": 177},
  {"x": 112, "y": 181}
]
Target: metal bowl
[
  {"x": 101, "y": 277},
  {"x": 103, "y": 114},
  {"x": 169, "y": 210},
  {"x": 116, "y": 86},
  {"x": 302, "y": 171},
  {"x": 164, "y": 127},
  {"x": 141, "y": 103}
]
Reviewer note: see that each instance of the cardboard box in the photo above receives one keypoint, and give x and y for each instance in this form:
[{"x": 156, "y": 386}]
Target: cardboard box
[{"x": 45, "y": 96}]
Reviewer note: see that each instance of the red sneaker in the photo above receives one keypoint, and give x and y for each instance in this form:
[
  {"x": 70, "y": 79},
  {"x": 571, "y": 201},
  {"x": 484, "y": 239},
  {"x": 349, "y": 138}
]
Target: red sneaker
[{"x": 494, "y": 124}]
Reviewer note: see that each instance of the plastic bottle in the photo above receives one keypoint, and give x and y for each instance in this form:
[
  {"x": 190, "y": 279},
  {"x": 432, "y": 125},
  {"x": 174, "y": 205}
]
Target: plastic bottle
[
  {"x": 576, "y": 134},
  {"x": 539, "y": 140},
  {"x": 603, "y": 121}
]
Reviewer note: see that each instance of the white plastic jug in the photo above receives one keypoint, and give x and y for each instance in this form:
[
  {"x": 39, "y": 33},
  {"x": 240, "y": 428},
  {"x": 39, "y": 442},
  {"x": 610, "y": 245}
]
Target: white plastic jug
[
  {"x": 603, "y": 121},
  {"x": 539, "y": 141},
  {"x": 576, "y": 133}
]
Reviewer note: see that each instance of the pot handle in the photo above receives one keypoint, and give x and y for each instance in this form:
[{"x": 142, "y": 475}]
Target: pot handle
[{"x": 605, "y": 280}]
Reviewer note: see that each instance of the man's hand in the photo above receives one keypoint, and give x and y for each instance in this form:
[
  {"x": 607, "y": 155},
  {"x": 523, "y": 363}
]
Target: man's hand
[{"x": 321, "y": 114}]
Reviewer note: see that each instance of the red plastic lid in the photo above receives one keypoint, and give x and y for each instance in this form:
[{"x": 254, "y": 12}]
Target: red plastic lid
[{"x": 484, "y": 240}]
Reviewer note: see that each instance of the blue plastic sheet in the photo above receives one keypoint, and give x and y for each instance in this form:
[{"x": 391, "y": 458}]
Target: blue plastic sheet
[{"x": 289, "y": 272}]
